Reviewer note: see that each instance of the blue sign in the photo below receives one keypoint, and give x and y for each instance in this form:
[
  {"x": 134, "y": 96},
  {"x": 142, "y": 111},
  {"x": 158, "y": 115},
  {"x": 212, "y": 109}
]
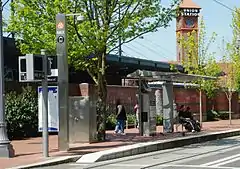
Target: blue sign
[{"x": 53, "y": 116}]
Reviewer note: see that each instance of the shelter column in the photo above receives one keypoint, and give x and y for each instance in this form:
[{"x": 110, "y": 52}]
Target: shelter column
[{"x": 167, "y": 91}]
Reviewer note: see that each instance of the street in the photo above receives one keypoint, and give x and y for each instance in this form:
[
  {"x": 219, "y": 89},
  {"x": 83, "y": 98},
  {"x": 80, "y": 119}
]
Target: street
[{"x": 216, "y": 154}]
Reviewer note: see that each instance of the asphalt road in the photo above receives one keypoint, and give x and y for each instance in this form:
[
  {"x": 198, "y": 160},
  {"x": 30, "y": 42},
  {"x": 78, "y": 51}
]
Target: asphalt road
[{"x": 223, "y": 154}]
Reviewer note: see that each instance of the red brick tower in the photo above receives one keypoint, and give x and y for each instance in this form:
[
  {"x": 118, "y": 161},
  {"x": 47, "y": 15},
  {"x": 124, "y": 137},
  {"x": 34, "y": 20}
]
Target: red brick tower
[{"x": 187, "y": 21}]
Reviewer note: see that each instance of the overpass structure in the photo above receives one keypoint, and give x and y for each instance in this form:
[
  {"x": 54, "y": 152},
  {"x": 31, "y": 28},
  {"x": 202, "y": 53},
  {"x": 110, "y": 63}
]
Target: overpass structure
[
  {"x": 118, "y": 67},
  {"x": 124, "y": 65}
]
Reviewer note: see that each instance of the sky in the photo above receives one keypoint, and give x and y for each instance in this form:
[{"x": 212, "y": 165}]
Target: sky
[{"x": 161, "y": 45}]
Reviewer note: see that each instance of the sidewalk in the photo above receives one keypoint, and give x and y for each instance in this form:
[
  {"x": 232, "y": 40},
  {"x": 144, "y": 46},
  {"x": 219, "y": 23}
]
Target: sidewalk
[{"x": 30, "y": 150}]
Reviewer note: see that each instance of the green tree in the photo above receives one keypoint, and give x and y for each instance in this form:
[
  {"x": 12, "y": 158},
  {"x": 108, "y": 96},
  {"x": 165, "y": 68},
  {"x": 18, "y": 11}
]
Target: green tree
[
  {"x": 200, "y": 61},
  {"x": 230, "y": 83},
  {"x": 33, "y": 23},
  {"x": 236, "y": 40}
]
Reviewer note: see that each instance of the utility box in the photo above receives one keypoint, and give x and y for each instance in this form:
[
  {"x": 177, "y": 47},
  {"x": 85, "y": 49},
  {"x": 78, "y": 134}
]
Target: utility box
[{"x": 82, "y": 119}]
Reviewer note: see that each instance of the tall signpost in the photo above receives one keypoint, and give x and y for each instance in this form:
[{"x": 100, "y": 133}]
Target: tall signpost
[
  {"x": 6, "y": 149},
  {"x": 62, "y": 64}
]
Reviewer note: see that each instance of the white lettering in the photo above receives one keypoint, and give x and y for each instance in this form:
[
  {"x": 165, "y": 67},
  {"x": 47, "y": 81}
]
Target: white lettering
[{"x": 60, "y": 32}]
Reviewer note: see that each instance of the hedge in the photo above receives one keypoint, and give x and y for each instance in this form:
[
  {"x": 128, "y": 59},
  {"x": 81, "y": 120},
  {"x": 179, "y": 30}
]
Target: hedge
[{"x": 22, "y": 113}]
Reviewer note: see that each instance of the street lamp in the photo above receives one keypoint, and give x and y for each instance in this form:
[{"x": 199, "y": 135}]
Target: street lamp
[
  {"x": 6, "y": 149},
  {"x": 79, "y": 18},
  {"x": 62, "y": 62}
]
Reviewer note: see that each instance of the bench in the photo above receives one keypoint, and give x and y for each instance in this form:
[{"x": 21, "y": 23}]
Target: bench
[
  {"x": 176, "y": 121},
  {"x": 224, "y": 115},
  {"x": 178, "y": 124},
  {"x": 131, "y": 124}
]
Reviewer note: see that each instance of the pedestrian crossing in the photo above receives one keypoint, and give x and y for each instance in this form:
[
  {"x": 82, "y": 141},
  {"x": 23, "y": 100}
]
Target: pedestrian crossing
[{"x": 223, "y": 161}]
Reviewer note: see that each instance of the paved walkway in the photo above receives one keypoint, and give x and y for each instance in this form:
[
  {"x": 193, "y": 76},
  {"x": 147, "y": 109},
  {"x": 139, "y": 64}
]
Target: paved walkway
[{"x": 30, "y": 150}]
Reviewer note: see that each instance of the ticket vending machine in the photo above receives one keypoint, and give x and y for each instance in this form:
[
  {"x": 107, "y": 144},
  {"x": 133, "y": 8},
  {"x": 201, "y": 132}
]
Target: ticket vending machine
[
  {"x": 147, "y": 110},
  {"x": 161, "y": 103}
]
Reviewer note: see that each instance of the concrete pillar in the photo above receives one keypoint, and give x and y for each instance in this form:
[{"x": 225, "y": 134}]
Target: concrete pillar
[
  {"x": 145, "y": 115},
  {"x": 158, "y": 102},
  {"x": 167, "y": 90}
]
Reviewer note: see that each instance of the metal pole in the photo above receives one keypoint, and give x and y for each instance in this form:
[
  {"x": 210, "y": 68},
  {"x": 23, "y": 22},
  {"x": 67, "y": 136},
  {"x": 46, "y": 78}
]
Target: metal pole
[
  {"x": 200, "y": 108},
  {"x": 140, "y": 107},
  {"x": 119, "y": 35},
  {"x": 13, "y": 12},
  {"x": 6, "y": 149},
  {"x": 45, "y": 104}
]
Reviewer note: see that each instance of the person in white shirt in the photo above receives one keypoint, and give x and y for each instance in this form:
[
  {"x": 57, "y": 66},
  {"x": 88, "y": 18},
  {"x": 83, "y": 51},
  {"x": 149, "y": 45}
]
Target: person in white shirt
[{"x": 136, "y": 109}]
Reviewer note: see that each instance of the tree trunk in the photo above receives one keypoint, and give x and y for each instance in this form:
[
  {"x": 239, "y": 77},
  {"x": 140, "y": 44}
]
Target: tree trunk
[
  {"x": 200, "y": 108},
  {"x": 230, "y": 109},
  {"x": 102, "y": 99}
]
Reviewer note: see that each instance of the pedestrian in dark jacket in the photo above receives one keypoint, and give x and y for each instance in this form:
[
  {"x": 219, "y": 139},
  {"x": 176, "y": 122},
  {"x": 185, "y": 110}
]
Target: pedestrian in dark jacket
[{"x": 121, "y": 117}]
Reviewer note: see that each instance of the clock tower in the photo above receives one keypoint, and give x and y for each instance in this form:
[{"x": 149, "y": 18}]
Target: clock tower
[{"x": 187, "y": 21}]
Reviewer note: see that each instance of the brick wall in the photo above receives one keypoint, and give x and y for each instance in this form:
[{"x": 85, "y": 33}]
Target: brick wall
[{"x": 188, "y": 97}]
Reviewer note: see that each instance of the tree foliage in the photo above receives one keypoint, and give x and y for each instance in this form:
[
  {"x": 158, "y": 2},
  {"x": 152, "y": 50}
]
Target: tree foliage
[
  {"x": 235, "y": 49},
  {"x": 89, "y": 42},
  {"x": 199, "y": 60},
  {"x": 230, "y": 83},
  {"x": 105, "y": 20},
  {"x": 231, "y": 61}
]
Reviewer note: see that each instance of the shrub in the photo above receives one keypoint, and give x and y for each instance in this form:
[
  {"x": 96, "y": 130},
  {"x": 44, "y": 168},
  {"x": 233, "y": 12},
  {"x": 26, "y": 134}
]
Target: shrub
[
  {"x": 111, "y": 122},
  {"x": 131, "y": 118},
  {"x": 212, "y": 115},
  {"x": 223, "y": 115},
  {"x": 22, "y": 113},
  {"x": 159, "y": 120}
]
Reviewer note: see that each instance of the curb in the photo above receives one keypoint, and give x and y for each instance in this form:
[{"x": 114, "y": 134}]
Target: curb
[
  {"x": 51, "y": 162},
  {"x": 141, "y": 148},
  {"x": 130, "y": 150}
]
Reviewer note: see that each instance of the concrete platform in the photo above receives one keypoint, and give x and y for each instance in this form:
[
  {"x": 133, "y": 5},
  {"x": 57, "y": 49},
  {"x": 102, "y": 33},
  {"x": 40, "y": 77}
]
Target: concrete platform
[
  {"x": 29, "y": 151},
  {"x": 147, "y": 147}
]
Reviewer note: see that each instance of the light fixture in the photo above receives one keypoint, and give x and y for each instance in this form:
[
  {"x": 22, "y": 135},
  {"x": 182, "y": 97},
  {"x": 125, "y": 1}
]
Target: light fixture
[{"x": 80, "y": 18}]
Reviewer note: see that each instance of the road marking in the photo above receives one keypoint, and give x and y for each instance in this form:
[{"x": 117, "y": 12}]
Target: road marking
[
  {"x": 116, "y": 165},
  {"x": 196, "y": 156},
  {"x": 221, "y": 160},
  {"x": 75, "y": 164},
  {"x": 197, "y": 166},
  {"x": 210, "y": 153},
  {"x": 128, "y": 165},
  {"x": 227, "y": 162}
]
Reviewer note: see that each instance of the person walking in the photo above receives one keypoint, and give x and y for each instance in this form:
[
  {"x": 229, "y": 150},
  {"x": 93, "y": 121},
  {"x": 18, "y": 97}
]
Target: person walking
[
  {"x": 121, "y": 118},
  {"x": 136, "y": 110}
]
